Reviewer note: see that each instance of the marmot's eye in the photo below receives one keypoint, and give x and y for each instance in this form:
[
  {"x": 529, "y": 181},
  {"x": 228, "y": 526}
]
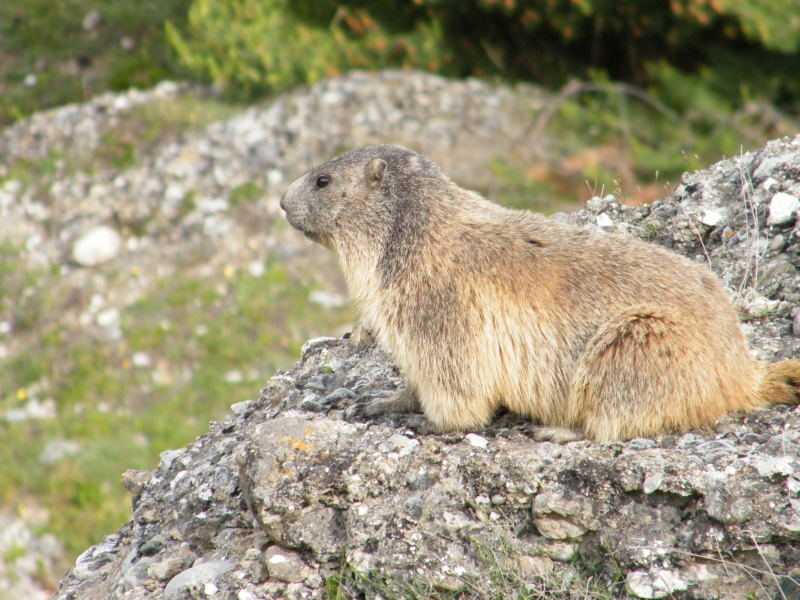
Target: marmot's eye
[{"x": 323, "y": 181}]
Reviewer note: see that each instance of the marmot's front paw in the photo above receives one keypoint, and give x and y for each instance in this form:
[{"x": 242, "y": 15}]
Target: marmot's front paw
[
  {"x": 397, "y": 404},
  {"x": 402, "y": 401}
]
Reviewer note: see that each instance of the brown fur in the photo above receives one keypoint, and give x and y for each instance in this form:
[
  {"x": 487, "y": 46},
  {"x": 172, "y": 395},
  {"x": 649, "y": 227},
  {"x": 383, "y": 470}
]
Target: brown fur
[{"x": 482, "y": 307}]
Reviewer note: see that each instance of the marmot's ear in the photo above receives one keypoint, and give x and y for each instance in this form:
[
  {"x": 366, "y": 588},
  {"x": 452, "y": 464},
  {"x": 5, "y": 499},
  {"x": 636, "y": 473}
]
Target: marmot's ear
[{"x": 375, "y": 170}]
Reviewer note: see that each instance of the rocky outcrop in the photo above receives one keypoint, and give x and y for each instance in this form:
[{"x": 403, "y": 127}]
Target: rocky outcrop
[{"x": 296, "y": 496}]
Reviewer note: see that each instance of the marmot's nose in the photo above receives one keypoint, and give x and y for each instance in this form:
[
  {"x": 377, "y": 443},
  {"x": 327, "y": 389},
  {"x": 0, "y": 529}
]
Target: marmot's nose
[{"x": 283, "y": 203}]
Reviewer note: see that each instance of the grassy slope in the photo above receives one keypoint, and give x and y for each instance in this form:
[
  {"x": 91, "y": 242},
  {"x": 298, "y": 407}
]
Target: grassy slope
[
  {"x": 54, "y": 52},
  {"x": 211, "y": 337}
]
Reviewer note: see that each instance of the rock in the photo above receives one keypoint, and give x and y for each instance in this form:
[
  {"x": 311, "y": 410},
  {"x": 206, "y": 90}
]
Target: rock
[
  {"x": 603, "y": 220},
  {"x": 535, "y": 566},
  {"x": 563, "y": 551},
  {"x": 92, "y": 20},
  {"x": 655, "y": 584},
  {"x": 196, "y": 576},
  {"x": 476, "y": 440},
  {"x": 556, "y": 528},
  {"x": 168, "y": 567},
  {"x": 327, "y": 299},
  {"x": 712, "y": 218},
  {"x": 58, "y": 449},
  {"x": 141, "y": 360},
  {"x": 96, "y": 246},
  {"x": 285, "y": 565},
  {"x": 27, "y": 556},
  {"x": 783, "y": 209},
  {"x": 109, "y": 322}
]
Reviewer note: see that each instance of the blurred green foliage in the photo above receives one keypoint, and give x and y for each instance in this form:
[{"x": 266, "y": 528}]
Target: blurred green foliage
[
  {"x": 703, "y": 78},
  {"x": 251, "y": 46}
]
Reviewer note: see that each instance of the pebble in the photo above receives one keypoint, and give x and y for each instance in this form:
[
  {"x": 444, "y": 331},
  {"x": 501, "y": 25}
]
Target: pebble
[
  {"x": 535, "y": 566},
  {"x": 195, "y": 576},
  {"x": 96, "y": 246},
  {"x": 141, "y": 360},
  {"x": 557, "y": 528},
  {"x": 285, "y": 565},
  {"x": 476, "y": 440},
  {"x": 659, "y": 584},
  {"x": 652, "y": 482},
  {"x": 603, "y": 220},
  {"x": 326, "y": 299},
  {"x": 712, "y": 218},
  {"x": 57, "y": 450},
  {"x": 783, "y": 209},
  {"x": 109, "y": 322}
]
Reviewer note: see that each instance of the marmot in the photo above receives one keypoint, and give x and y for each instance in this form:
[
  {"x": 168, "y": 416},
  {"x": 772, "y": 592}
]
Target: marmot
[{"x": 482, "y": 306}]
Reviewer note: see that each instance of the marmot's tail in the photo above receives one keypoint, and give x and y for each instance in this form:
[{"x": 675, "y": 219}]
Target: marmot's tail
[{"x": 781, "y": 383}]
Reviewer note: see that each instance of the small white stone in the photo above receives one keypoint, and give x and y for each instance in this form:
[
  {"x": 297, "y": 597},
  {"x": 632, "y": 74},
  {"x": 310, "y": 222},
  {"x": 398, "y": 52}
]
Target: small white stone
[
  {"x": 234, "y": 376},
  {"x": 767, "y": 466},
  {"x": 274, "y": 176},
  {"x": 760, "y": 306},
  {"x": 213, "y": 205},
  {"x": 327, "y": 299},
  {"x": 96, "y": 246},
  {"x": 476, "y": 440},
  {"x": 277, "y": 559},
  {"x": 140, "y": 360},
  {"x": 782, "y": 209},
  {"x": 711, "y": 218},
  {"x": 603, "y": 220},
  {"x": 769, "y": 183},
  {"x": 174, "y": 192},
  {"x": 256, "y": 268},
  {"x": 210, "y": 588},
  {"x": 109, "y": 322},
  {"x": 652, "y": 482},
  {"x": 57, "y": 450},
  {"x": 658, "y": 584}
]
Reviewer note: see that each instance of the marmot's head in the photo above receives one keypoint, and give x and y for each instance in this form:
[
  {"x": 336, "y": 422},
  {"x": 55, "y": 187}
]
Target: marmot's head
[{"x": 360, "y": 192}]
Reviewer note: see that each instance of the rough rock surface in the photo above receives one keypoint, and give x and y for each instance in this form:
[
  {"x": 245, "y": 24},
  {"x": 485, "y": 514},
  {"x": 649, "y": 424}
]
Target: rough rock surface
[{"x": 293, "y": 495}]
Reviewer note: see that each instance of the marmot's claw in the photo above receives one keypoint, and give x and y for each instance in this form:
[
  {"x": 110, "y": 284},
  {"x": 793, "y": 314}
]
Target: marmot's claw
[{"x": 394, "y": 406}]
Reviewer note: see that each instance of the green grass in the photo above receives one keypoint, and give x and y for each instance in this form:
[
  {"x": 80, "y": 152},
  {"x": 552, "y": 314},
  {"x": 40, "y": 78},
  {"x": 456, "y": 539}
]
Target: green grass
[
  {"x": 196, "y": 332},
  {"x": 49, "y": 58}
]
